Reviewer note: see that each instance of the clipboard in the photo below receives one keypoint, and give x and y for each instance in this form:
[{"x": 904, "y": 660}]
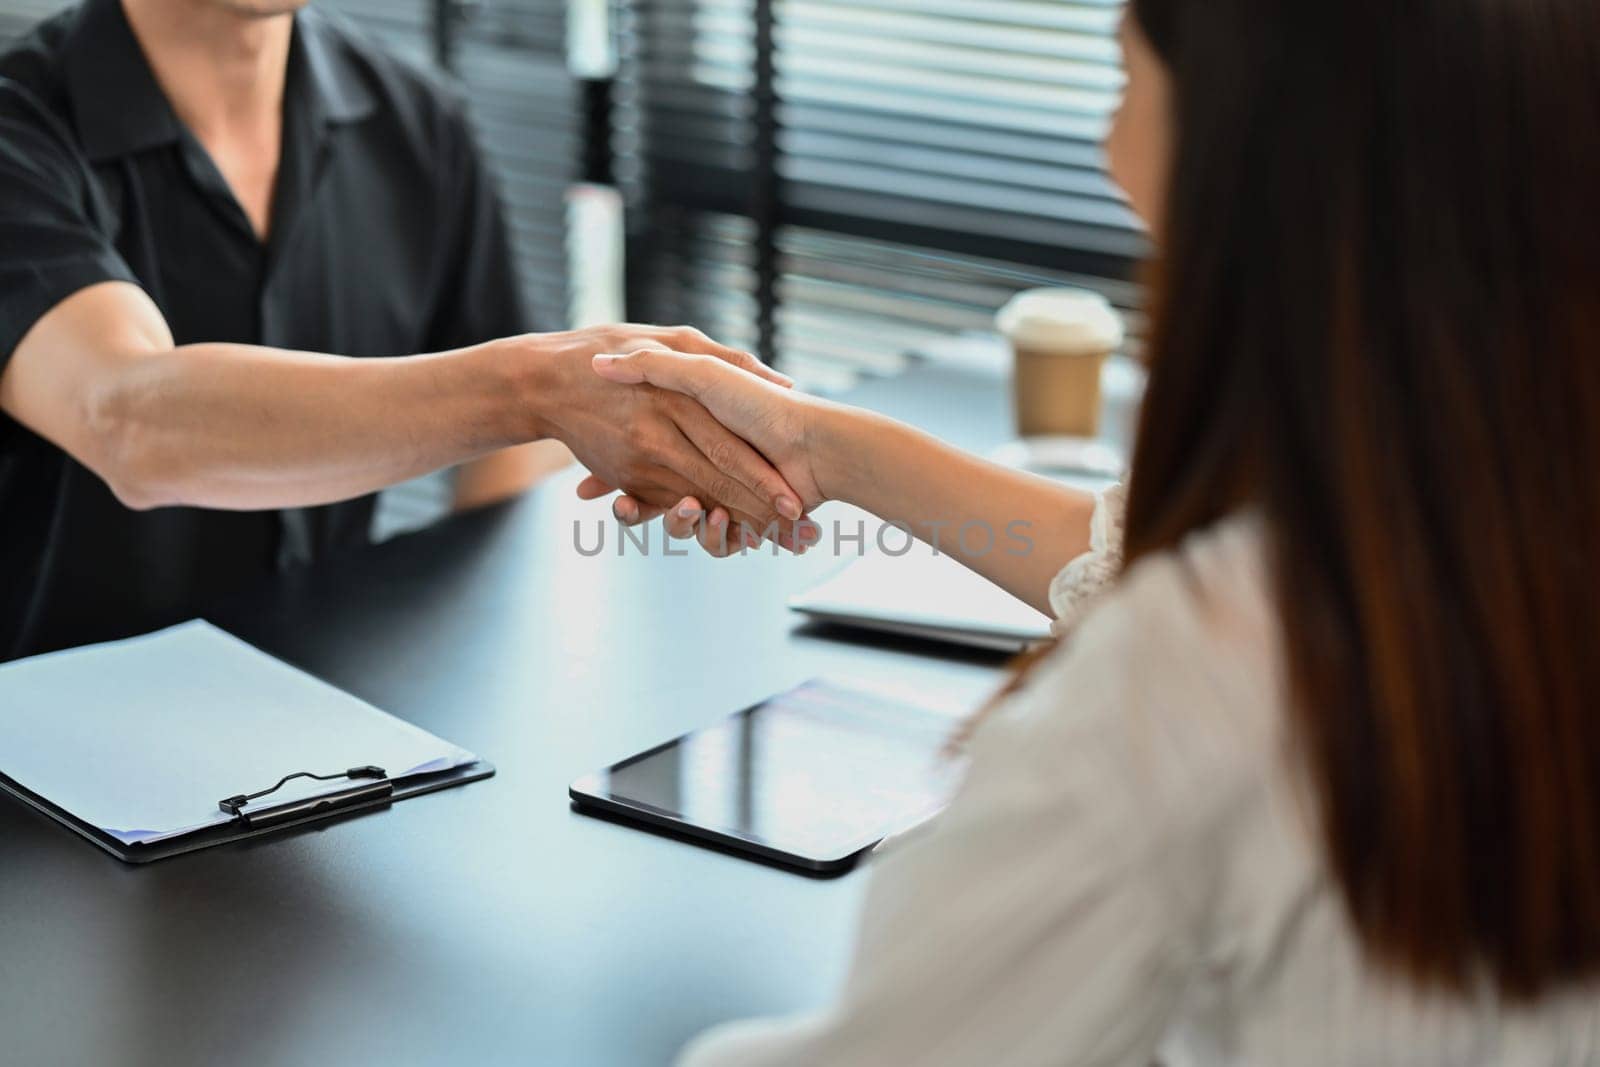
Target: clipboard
[
  {"x": 130, "y": 744},
  {"x": 369, "y": 795}
]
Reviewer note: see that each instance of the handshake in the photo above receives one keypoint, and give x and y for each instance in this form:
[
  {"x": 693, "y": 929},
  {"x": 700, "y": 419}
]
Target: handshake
[{"x": 686, "y": 428}]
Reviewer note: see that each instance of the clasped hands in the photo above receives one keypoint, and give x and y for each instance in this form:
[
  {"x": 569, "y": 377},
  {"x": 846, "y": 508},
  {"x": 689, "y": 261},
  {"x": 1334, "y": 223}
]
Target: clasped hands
[{"x": 684, "y": 427}]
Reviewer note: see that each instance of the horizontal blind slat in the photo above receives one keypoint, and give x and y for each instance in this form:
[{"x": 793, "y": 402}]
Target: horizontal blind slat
[{"x": 934, "y": 157}]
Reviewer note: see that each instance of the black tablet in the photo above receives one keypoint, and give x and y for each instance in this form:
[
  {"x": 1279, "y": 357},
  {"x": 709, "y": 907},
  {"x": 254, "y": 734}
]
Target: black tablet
[{"x": 810, "y": 779}]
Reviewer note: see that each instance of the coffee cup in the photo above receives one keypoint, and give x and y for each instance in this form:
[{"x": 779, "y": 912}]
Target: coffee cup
[{"x": 1060, "y": 339}]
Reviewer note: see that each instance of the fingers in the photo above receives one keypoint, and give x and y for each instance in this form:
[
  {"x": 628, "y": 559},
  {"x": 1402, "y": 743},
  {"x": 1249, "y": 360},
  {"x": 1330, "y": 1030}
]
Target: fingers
[
  {"x": 717, "y": 532},
  {"x": 689, "y": 339},
  {"x": 751, "y": 365},
  {"x": 711, "y": 483},
  {"x": 721, "y": 534},
  {"x": 593, "y": 488},
  {"x": 717, "y": 535},
  {"x": 683, "y": 521},
  {"x": 690, "y": 375},
  {"x": 631, "y": 511},
  {"x": 678, "y": 437},
  {"x": 738, "y": 466},
  {"x": 626, "y": 509},
  {"x": 743, "y": 530}
]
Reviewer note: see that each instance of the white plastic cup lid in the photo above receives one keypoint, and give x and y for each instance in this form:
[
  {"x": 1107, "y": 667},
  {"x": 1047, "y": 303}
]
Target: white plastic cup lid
[{"x": 1074, "y": 320}]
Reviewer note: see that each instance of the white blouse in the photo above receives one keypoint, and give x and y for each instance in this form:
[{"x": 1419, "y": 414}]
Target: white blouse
[{"x": 1130, "y": 874}]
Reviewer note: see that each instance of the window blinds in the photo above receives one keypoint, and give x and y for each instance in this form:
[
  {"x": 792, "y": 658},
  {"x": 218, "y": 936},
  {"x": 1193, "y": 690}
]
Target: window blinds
[
  {"x": 870, "y": 174},
  {"x": 510, "y": 59}
]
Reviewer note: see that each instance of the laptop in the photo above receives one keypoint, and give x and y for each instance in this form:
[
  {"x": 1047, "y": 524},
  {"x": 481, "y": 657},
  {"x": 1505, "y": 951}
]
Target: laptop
[{"x": 925, "y": 595}]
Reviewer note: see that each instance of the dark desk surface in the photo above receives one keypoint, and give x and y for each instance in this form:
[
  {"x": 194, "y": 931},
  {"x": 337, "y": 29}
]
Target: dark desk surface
[{"x": 487, "y": 924}]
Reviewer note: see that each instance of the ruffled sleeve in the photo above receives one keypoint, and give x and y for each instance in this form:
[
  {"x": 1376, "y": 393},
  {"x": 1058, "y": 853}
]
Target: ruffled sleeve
[{"x": 1082, "y": 581}]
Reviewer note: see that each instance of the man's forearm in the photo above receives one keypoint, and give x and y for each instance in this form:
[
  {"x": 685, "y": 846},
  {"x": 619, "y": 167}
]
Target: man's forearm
[
  {"x": 239, "y": 427},
  {"x": 242, "y": 427}
]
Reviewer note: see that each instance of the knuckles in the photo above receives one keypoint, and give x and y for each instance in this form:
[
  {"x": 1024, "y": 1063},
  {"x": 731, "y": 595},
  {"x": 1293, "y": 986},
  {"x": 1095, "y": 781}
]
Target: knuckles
[
  {"x": 635, "y": 475},
  {"x": 724, "y": 455},
  {"x": 645, "y": 432},
  {"x": 723, "y": 489},
  {"x": 630, "y": 337},
  {"x": 679, "y": 408},
  {"x": 689, "y": 336}
]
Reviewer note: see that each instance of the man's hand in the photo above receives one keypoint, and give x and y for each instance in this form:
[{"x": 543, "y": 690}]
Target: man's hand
[
  {"x": 658, "y": 446},
  {"x": 246, "y": 428},
  {"x": 776, "y": 421}
]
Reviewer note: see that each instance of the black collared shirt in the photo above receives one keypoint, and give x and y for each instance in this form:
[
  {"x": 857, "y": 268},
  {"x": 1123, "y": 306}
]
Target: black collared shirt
[{"x": 386, "y": 239}]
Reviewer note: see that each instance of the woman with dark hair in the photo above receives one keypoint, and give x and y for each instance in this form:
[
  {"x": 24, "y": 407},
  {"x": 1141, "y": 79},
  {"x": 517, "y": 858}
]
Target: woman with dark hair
[{"x": 1318, "y": 780}]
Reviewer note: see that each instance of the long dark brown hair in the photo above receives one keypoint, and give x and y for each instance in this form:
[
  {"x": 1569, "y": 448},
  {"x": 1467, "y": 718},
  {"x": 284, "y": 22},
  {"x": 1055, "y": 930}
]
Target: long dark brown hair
[{"x": 1376, "y": 321}]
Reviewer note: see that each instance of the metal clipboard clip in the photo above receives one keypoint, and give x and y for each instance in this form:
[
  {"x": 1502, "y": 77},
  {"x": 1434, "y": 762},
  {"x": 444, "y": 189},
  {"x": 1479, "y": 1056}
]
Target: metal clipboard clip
[{"x": 374, "y": 783}]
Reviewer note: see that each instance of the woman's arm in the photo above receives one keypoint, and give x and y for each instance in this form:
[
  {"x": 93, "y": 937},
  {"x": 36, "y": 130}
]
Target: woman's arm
[{"x": 1014, "y": 528}]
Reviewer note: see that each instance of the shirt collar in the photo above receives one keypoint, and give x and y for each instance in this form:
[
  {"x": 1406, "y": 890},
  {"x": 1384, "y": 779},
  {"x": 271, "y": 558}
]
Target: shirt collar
[
  {"x": 120, "y": 109},
  {"x": 117, "y": 105},
  {"x": 336, "y": 91}
]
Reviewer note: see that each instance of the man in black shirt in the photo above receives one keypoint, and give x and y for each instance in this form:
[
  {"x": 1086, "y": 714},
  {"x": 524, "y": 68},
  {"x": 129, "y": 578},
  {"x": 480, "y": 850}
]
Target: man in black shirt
[{"x": 197, "y": 199}]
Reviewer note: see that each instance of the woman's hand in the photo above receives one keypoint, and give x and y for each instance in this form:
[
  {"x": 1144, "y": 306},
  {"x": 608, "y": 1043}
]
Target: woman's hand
[
  {"x": 659, "y": 446},
  {"x": 1015, "y": 528},
  {"x": 777, "y": 422}
]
